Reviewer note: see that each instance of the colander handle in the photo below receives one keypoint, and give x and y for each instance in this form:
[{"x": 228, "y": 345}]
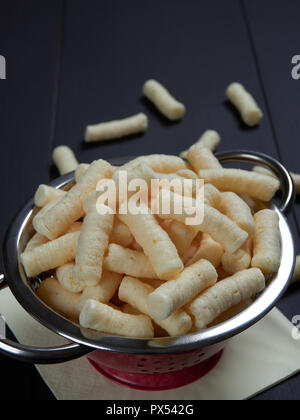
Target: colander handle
[
  {"x": 257, "y": 158},
  {"x": 40, "y": 355}
]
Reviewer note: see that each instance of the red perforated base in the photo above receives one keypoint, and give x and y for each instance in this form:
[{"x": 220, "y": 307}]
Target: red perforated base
[{"x": 159, "y": 382}]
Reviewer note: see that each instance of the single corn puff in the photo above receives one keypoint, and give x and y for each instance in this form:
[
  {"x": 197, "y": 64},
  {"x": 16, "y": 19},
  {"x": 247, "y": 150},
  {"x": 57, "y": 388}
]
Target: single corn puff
[
  {"x": 116, "y": 129},
  {"x": 164, "y": 102},
  {"x": 202, "y": 158},
  {"x": 262, "y": 187},
  {"x": 64, "y": 159},
  {"x": 245, "y": 103},
  {"x": 45, "y": 194},
  {"x": 212, "y": 196},
  {"x": 159, "y": 163},
  {"x": 92, "y": 245},
  {"x": 209, "y": 140},
  {"x": 174, "y": 294},
  {"x": 238, "y": 211},
  {"x": 36, "y": 241},
  {"x": 70, "y": 208},
  {"x": 266, "y": 243},
  {"x": 224, "y": 295},
  {"x": 103, "y": 318},
  {"x": 157, "y": 245},
  {"x": 51, "y": 255}
]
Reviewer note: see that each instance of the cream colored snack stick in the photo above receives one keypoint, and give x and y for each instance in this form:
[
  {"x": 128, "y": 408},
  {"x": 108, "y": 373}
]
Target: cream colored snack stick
[
  {"x": 156, "y": 244},
  {"x": 212, "y": 196},
  {"x": 104, "y": 291},
  {"x": 181, "y": 235},
  {"x": 91, "y": 200},
  {"x": 219, "y": 226},
  {"x": 37, "y": 221},
  {"x": 45, "y": 194},
  {"x": 127, "y": 261},
  {"x": 240, "y": 260},
  {"x": 59, "y": 299},
  {"x": 81, "y": 170},
  {"x": 265, "y": 171},
  {"x": 159, "y": 163},
  {"x": 202, "y": 158},
  {"x": 92, "y": 245},
  {"x": 267, "y": 243},
  {"x": 135, "y": 293},
  {"x": 224, "y": 295},
  {"x": 237, "y": 210},
  {"x": 36, "y": 241},
  {"x": 187, "y": 173},
  {"x": 174, "y": 294},
  {"x": 116, "y": 129},
  {"x": 258, "y": 186},
  {"x": 209, "y": 250},
  {"x": 121, "y": 235},
  {"x": 64, "y": 275},
  {"x": 70, "y": 207},
  {"x": 104, "y": 318},
  {"x": 163, "y": 100},
  {"x": 296, "y": 275},
  {"x": 209, "y": 140},
  {"x": 232, "y": 312},
  {"x": 158, "y": 331},
  {"x": 64, "y": 159},
  {"x": 245, "y": 103},
  {"x": 51, "y": 255}
]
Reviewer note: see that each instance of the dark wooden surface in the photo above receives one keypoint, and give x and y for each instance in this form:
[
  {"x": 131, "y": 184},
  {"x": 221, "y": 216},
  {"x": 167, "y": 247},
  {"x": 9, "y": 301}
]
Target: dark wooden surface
[{"x": 75, "y": 62}]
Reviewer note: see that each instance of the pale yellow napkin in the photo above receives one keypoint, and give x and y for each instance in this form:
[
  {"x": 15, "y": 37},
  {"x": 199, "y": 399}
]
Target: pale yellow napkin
[{"x": 254, "y": 361}]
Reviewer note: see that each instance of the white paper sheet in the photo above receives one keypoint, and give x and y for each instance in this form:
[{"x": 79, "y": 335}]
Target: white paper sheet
[{"x": 254, "y": 361}]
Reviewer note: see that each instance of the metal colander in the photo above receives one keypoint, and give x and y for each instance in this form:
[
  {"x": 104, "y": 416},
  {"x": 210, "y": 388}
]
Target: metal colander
[{"x": 154, "y": 356}]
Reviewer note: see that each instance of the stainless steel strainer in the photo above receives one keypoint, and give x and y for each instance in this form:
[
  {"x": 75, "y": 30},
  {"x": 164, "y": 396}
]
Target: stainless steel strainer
[{"x": 159, "y": 355}]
